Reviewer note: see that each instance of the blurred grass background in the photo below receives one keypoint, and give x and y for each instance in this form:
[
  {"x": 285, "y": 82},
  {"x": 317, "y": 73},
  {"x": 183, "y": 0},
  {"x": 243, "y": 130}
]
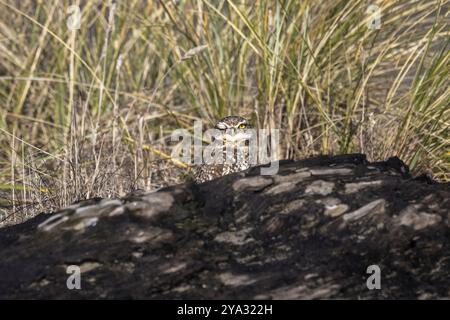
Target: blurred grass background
[{"x": 89, "y": 112}]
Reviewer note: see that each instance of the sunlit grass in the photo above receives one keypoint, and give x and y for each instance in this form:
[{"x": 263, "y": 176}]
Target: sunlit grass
[{"x": 89, "y": 112}]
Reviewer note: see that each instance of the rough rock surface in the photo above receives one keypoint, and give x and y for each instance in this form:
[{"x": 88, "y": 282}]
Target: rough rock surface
[{"x": 309, "y": 232}]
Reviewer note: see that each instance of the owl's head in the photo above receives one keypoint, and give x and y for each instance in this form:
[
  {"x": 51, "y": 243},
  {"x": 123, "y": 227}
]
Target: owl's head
[{"x": 234, "y": 128}]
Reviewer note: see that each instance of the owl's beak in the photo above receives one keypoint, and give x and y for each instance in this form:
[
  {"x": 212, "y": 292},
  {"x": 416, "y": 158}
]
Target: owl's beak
[{"x": 233, "y": 135}]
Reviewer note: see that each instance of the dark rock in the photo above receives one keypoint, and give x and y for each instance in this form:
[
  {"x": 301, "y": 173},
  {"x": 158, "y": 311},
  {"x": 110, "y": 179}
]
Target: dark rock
[{"x": 309, "y": 232}]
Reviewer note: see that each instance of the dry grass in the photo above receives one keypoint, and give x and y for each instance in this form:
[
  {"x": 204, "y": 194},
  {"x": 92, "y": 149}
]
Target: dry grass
[{"x": 89, "y": 112}]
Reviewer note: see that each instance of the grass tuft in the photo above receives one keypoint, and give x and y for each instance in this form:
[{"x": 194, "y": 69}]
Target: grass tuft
[{"x": 89, "y": 112}]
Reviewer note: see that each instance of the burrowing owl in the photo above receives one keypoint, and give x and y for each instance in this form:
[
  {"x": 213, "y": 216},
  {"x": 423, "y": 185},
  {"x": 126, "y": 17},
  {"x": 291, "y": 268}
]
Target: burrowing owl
[{"x": 232, "y": 131}]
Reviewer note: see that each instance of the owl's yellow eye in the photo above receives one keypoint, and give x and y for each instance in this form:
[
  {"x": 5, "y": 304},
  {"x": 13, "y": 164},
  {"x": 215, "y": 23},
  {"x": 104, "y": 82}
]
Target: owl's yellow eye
[{"x": 242, "y": 126}]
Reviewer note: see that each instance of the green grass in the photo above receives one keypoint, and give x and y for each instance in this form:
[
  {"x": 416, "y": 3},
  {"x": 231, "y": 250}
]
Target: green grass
[{"x": 89, "y": 112}]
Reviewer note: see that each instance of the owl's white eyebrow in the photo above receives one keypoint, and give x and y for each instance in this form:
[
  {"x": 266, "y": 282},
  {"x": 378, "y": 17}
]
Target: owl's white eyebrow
[{"x": 222, "y": 125}]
